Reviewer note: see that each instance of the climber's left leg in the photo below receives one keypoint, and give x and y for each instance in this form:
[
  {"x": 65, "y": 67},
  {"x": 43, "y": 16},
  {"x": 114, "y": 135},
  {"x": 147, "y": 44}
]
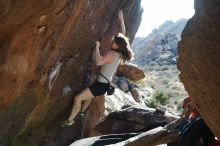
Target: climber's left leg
[{"x": 83, "y": 96}]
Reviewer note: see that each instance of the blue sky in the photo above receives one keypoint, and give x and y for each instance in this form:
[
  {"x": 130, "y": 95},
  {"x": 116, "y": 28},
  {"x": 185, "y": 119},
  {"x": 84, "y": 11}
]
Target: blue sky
[{"x": 156, "y": 12}]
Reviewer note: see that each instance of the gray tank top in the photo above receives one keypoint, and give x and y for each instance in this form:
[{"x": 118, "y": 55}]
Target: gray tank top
[{"x": 108, "y": 70}]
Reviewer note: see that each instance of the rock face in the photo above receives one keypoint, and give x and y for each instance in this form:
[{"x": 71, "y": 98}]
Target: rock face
[
  {"x": 153, "y": 137},
  {"x": 132, "y": 120},
  {"x": 46, "y": 52},
  {"x": 199, "y": 61},
  {"x": 83, "y": 126},
  {"x": 161, "y": 45},
  {"x": 119, "y": 99},
  {"x": 104, "y": 140},
  {"x": 131, "y": 71}
]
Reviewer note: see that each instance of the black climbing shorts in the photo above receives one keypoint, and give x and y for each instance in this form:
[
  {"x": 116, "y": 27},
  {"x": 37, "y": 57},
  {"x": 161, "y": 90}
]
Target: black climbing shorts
[{"x": 98, "y": 88}]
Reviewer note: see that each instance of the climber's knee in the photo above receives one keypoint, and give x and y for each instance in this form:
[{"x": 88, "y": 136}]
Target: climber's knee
[{"x": 77, "y": 100}]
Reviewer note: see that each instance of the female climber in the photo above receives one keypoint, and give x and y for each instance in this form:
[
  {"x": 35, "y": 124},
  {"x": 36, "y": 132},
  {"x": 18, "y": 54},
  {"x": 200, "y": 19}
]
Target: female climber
[{"x": 119, "y": 52}]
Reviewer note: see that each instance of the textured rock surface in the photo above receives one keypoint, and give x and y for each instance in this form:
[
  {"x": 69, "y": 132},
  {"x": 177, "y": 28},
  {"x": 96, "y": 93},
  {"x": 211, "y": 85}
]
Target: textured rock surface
[
  {"x": 160, "y": 46},
  {"x": 131, "y": 71},
  {"x": 199, "y": 61},
  {"x": 153, "y": 137},
  {"x": 119, "y": 99},
  {"x": 45, "y": 59},
  {"x": 82, "y": 127},
  {"x": 103, "y": 140},
  {"x": 132, "y": 119}
]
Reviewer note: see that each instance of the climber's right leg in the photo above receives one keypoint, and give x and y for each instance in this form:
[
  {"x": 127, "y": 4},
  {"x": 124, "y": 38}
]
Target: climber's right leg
[{"x": 85, "y": 105}]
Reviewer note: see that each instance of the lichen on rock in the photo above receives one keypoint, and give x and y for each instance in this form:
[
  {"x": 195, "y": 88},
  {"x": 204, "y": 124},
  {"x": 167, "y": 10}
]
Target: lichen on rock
[
  {"x": 199, "y": 61},
  {"x": 35, "y": 36}
]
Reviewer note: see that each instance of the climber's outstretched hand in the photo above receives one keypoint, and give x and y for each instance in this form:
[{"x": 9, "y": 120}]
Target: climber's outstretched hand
[
  {"x": 97, "y": 43},
  {"x": 120, "y": 15},
  {"x": 121, "y": 18}
]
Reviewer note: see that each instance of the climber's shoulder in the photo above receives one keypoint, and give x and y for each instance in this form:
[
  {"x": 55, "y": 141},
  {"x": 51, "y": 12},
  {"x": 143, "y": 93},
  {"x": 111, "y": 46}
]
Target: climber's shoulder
[
  {"x": 110, "y": 56},
  {"x": 110, "y": 53}
]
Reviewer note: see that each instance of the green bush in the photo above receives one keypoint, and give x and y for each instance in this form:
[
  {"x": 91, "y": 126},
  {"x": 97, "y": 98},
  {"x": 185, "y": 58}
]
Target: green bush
[
  {"x": 151, "y": 104},
  {"x": 159, "y": 98}
]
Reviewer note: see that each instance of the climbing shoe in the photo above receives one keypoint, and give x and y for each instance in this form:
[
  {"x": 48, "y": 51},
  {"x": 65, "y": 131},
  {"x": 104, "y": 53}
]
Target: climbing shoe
[
  {"x": 82, "y": 114},
  {"x": 67, "y": 123}
]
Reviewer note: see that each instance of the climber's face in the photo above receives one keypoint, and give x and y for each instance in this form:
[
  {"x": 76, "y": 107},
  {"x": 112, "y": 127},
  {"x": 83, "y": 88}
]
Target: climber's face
[{"x": 114, "y": 45}]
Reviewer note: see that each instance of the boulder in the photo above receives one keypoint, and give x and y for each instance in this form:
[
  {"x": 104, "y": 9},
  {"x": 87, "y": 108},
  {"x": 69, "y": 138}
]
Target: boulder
[
  {"x": 126, "y": 86},
  {"x": 154, "y": 54},
  {"x": 135, "y": 94},
  {"x": 46, "y": 58},
  {"x": 164, "y": 39},
  {"x": 153, "y": 137},
  {"x": 167, "y": 56},
  {"x": 132, "y": 119},
  {"x": 116, "y": 101},
  {"x": 130, "y": 71},
  {"x": 104, "y": 140},
  {"x": 123, "y": 84},
  {"x": 199, "y": 61}
]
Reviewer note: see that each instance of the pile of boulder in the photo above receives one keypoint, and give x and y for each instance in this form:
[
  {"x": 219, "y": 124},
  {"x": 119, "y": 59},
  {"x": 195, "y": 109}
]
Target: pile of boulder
[
  {"x": 161, "y": 46},
  {"x": 131, "y": 122},
  {"x": 125, "y": 74},
  {"x": 132, "y": 119}
]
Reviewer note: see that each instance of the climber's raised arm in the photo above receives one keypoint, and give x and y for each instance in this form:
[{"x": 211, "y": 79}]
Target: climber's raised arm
[
  {"x": 97, "y": 52},
  {"x": 106, "y": 59},
  {"x": 121, "y": 18}
]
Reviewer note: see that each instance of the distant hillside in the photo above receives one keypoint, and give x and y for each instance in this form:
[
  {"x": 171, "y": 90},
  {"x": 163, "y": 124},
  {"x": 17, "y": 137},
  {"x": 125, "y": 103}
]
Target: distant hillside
[
  {"x": 160, "y": 46},
  {"x": 156, "y": 54}
]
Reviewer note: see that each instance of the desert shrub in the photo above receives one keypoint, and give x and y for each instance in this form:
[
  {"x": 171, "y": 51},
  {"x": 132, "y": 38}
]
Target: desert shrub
[
  {"x": 164, "y": 81},
  {"x": 159, "y": 98},
  {"x": 151, "y": 104}
]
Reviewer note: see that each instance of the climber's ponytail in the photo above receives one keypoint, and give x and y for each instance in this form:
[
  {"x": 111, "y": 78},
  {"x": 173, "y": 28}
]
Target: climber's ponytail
[{"x": 124, "y": 47}]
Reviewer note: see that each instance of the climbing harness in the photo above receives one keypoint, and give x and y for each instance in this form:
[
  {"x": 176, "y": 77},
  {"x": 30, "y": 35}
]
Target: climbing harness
[{"x": 111, "y": 88}]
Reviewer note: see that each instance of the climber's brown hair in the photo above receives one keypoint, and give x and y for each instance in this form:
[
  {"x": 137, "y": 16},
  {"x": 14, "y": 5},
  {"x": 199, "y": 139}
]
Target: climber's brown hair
[{"x": 124, "y": 47}]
